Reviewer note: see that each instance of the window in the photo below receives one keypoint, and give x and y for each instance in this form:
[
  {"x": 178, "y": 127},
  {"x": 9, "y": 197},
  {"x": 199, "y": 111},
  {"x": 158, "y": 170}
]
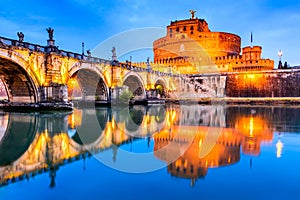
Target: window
[{"x": 184, "y": 28}]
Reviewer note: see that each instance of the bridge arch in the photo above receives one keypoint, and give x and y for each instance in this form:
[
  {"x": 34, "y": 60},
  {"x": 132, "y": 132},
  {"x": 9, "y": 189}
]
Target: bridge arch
[
  {"x": 19, "y": 80},
  {"x": 161, "y": 87},
  {"x": 87, "y": 83},
  {"x": 135, "y": 84}
]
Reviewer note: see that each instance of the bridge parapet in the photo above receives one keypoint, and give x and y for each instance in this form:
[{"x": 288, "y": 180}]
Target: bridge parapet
[{"x": 10, "y": 43}]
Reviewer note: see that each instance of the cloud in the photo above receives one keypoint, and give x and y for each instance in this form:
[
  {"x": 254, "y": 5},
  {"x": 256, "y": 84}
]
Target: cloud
[
  {"x": 134, "y": 5},
  {"x": 33, "y": 32},
  {"x": 8, "y": 26},
  {"x": 83, "y": 2},
  {"x": 133, "y": 18},
  {"x": 38, "y": 18}
]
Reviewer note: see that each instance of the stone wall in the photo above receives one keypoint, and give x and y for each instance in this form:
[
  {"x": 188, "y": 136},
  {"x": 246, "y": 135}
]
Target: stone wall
[{"x": 276, "y": 83}]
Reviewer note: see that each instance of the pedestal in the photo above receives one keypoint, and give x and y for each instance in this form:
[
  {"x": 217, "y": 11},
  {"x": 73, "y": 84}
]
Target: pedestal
[{"x": 50, "y": 42}]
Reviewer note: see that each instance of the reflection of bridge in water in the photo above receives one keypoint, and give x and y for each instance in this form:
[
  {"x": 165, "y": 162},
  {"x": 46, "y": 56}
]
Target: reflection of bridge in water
[{"x": 33, "y": 143}]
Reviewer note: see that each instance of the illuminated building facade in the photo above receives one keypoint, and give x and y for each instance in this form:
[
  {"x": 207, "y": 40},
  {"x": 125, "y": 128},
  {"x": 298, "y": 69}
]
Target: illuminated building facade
[{"x": 190, "y": 48}]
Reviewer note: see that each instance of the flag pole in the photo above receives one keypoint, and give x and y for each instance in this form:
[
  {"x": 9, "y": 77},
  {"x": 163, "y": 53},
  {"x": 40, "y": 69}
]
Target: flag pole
[{"x": 251, "y": 39}]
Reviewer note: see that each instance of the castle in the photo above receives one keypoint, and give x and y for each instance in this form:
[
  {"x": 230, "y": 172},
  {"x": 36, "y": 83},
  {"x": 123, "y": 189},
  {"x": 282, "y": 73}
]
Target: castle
[{"x": 191, "y": 48}]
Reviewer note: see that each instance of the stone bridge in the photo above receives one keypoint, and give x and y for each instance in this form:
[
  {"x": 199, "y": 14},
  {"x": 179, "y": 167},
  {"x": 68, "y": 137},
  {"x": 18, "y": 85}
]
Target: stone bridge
[{"x": 33, "y": 73}]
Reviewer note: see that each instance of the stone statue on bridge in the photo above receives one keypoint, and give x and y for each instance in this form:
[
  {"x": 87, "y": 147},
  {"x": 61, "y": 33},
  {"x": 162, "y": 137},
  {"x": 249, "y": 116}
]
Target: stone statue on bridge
[
  {"x": 114, "y": 51},
  {"x": 50, "y": 33},
  {"x": 89, "y": 53},
  {"x": 114, "y": 54},
  {"x": 21, "y": 36},
  {"x": 148, "y": 64}
]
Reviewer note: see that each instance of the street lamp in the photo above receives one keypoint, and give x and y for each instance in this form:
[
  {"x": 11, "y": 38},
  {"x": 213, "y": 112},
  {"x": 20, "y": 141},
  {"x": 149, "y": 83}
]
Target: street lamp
[
  {"x": 280, "y": 63},
  {"x": 280, "y": 54}
]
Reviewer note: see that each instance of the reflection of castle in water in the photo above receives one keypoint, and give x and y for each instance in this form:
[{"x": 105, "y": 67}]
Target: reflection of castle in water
[
  {"x": 238, "y": 129},
  {"x": 37, "y": 143}
]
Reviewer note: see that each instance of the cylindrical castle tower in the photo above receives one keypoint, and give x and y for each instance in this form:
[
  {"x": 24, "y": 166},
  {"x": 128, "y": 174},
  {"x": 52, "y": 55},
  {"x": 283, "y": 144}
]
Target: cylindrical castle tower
[{"x": 192, "y": 38}]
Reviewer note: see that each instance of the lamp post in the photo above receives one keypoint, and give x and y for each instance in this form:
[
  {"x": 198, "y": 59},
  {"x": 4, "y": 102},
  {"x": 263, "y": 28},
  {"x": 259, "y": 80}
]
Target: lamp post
[
  {"x": 82, "y": 48},
  {"x": 280, "y": 63},
  {"x": 280, "y": 54}
]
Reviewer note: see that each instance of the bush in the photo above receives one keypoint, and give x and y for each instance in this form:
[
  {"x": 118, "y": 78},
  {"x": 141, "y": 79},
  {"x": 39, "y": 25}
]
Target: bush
[{"x": 125, "y": 95}]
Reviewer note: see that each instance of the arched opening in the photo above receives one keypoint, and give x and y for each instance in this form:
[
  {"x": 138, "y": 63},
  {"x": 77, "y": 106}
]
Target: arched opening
[
  {"x": 87, "y": 85},
  {"x": 135, "y": 86},
  {"x": 15, "y": 83},
  {"x": 160, "y": 89}
]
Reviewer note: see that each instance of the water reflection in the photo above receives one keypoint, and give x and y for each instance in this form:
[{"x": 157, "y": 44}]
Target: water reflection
[
  {"x": 33, "y": 143},
  {"x": 17, "y": 134}
]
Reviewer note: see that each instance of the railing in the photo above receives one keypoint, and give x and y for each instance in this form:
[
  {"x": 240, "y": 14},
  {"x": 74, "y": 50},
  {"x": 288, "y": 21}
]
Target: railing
[
  {"x": 128, "y": 66},
  {"x": 6, "y": 42}
]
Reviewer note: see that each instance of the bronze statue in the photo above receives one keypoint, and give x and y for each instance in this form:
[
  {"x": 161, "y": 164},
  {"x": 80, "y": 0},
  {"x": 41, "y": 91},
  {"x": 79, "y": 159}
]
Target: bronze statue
[
  {"x": 50, "y": 32},
  {"x": 193, "y": 13},
  {"x": 21, "y": 36}
]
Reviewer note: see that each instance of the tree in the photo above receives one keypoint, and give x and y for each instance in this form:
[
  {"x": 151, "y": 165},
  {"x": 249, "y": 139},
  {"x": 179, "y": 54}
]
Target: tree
[
  {"x": 280, "y": 65},
  {"x": 285, "y": 66},
  {"x": 125, "y": 96}
]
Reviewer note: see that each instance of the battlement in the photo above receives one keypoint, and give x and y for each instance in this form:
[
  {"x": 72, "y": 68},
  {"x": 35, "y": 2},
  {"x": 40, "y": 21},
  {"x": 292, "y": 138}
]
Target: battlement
[
  {"x": 198, "y": 25},
  {"x": 249, "y": 60}
]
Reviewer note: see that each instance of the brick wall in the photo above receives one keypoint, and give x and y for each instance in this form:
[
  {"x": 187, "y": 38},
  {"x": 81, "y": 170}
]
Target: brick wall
[{"x": 279, "y": 83}]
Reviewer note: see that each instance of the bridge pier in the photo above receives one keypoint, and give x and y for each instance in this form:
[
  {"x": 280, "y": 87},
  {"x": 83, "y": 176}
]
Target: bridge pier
[
  {"x": 54, "y": 93},
  {"x": 54, "y": 97}
]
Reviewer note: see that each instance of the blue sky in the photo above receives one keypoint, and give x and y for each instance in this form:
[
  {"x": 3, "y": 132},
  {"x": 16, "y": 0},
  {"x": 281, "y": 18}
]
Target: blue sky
[{"x": 275, "y": 24}]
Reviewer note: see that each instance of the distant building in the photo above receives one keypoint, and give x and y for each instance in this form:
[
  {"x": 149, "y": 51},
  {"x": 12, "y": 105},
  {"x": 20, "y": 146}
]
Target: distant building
[{"x": 190, "y": 48}]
